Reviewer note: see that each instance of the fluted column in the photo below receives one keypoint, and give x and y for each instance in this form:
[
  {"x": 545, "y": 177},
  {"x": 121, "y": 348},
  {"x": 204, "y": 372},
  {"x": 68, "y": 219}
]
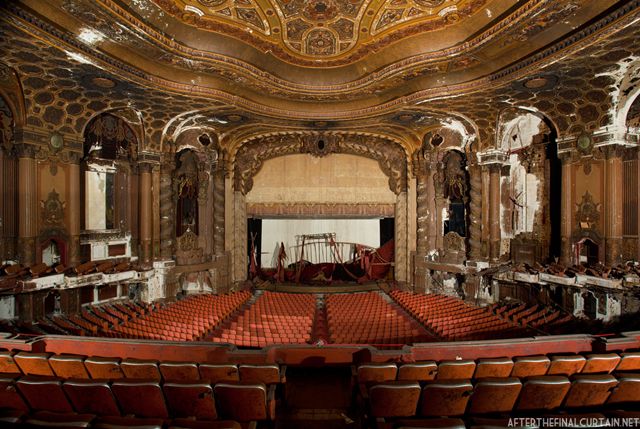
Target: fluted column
[
  {"x": 613, "y": 205},
  {"x": 494, "y": 211},
  {"x": 475, "y": 211},
  {"x": 146, "y": 221},
  {"x": 27, "y": 205},
  {"x": 566, "y": 226},
  {"x": 167, "y": 207},
  {"x": 74, "y": 209},
  {"x": 218, "y": 209}
]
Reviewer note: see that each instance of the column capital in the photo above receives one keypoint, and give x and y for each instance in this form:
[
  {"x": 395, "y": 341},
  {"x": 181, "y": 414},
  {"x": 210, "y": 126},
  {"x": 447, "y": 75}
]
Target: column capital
[{"x": 493, "y": 157}]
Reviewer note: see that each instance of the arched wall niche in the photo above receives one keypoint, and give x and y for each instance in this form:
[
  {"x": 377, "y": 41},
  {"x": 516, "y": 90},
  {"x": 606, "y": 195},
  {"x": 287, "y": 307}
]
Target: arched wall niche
[
  {"x": 529, "y": 186},
  {"x": 194, "y": 200},
  {"x": 109, "y": 184}
]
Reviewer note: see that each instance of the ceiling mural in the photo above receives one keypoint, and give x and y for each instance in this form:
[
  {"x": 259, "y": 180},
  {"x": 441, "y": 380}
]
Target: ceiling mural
[{"x": 323, "y": 29}]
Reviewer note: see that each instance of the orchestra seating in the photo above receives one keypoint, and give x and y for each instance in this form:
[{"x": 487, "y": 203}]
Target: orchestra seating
[
  {"x": 453, "y": 319},
  {"x": 393, "y": 394},
  {"x": 186, "y": 320},
  {"x": 366, "y": 318},
  {"x": 274, "y": 318}
]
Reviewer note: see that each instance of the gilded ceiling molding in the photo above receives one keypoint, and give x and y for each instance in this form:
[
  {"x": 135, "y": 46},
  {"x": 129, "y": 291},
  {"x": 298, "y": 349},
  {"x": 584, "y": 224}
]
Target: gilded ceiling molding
[
  {"x": 623, "y": 16},
  {"x": 263, "y": 81},
  {"x": 391, "y": 157}
]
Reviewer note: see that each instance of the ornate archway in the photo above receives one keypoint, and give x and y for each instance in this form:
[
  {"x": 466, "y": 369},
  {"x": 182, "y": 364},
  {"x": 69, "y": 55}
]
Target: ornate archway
[{"x": 249, "y": 159}]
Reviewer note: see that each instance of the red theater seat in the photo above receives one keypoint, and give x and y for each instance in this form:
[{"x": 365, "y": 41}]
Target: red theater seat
[
  {"x": 44, "y": 394},
  {"x": 600, "y": 363},
  {"x": 566, "y": 365},
  {"x": 34, "y": 363},
  {"x": 142, "y": 398},
  {"x": 245, "y": 402},
  {"x": 179, "y": 371},
  {"x": 140, "y": 369},
  {"x": 422, "y": 371},
  {"x": 68, "y": 366},
  {"x": 494, "y": 367},
  {"x": 530, "y": 366},
  {"x": 267, "y": 374},
  {"x": 629, "y": 361},
  {"x": 9, "y": 396},
  {"x": 456, "y": 370},
  {"x": 394, "y": 399},
  {"x": 190, "y": 399},
  {"x": 445, "y": 398},
  {"x": 543, "y": 393},
  {"x": 589, "y": 390},
  {"x": 627, "y": 391},
  {"x": 368, "y": 373},
  {"x": 91, "y": 396},
  {"x": 494, "y": 395},
  {"x": 219, "y": 373},
  {"x": 103, "y": 368},
  {"x": 7, "y": 364}
]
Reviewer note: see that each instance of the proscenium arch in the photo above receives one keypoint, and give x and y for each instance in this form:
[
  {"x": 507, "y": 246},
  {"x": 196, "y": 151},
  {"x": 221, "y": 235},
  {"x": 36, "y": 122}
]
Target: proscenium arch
[{"x": 390, "y": 155}]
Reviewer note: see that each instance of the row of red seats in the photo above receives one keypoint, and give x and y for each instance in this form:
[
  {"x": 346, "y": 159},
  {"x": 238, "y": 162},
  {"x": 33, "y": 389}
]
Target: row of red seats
[
  {"x": 508, "y": 396},
  {"x": 275, "y": 318},
  {"x": 83, "y": 367},
  {"x": 186, "y": 320},
  {"x": 242, "y": 402},
  {"x": 519, "y": 366},
  {"x": 366, "y": 318},
  {"x": 452, "y": 318}
]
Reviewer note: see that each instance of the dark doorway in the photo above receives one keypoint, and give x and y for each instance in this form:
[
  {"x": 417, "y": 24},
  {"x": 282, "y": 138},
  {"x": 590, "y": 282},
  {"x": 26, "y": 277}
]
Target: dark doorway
[
  {"x": 254, "y": 240},
  {"x": 590, "y": 305},
  {"x": 387, "y": 229}
]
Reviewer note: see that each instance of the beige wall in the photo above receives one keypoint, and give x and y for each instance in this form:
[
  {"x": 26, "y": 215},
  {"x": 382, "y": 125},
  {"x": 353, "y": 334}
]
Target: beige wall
[{"x": 336, "y": 178}]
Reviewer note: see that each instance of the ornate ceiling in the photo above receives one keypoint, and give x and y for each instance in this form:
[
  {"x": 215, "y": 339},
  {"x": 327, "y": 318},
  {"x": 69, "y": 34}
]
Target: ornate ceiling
[
  {"x": 244, "y": 68},
  {"x": 325, "y": 30}
]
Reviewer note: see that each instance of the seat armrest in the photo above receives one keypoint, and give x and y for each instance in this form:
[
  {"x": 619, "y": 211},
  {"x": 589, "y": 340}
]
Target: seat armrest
[{"x": 283, "y": 373}]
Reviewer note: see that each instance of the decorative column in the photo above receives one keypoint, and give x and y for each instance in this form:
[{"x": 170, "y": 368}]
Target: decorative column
[
  {"x": 491, "y": 161},
  {"x": 5, "y": 196},
  {"x": 219, "y": 175},
  {"x": 566, "y": 226},
  {"x": 74, "y": 209},
  {"x": 240, "y": 259},
  {"x": 9, "y": 175},
  {"x": 613, "y": 209},
  {"x": 475, "y": 209},
  {"x": 494, "y": 211},
  {"x": 205, "y": 207},
  {"x": 167, "y": 207},
  {"x": 145, "y": 210},
  {"x": 155, "y": 211},
  {"x": 422, "y": 204},
  {"x": 401, "y": 237},
  {"x": 27, "y": 204}
]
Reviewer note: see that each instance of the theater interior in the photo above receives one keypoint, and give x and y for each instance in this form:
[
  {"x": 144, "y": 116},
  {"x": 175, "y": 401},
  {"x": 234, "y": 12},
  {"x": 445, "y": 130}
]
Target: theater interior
[{"x": 319, "y": 214}]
